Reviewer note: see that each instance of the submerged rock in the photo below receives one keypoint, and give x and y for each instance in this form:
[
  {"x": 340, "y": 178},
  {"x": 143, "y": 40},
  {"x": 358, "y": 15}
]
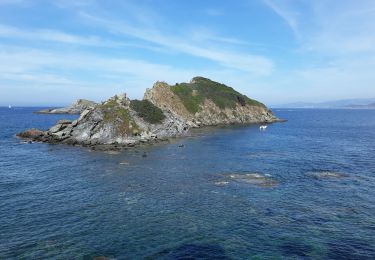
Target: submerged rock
[
  {"x": 254, "y": 178},
  {"x": 165, "y": 111},
  {"x": 124, "y": 163},
  {"x": 326, "y": 175},
  {"x": 221, "y": 183},
  {"x": 112, "y": 152}
]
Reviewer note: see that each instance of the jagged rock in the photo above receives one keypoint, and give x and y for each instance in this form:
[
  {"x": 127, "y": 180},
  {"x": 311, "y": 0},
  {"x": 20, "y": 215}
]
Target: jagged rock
[
  {"x": 74, "y": 123},
  {"x": 165, "y": 111},
  {"x": 55, "y": 128},
  {"x": 76, "y": 108}
]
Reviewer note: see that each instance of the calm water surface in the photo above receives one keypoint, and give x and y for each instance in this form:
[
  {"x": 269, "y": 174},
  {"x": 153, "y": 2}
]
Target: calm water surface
[{"x": 61, "y": 202}]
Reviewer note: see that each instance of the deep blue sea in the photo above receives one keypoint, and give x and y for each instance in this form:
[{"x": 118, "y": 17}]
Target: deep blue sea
[{"x": 63, "y": 202}]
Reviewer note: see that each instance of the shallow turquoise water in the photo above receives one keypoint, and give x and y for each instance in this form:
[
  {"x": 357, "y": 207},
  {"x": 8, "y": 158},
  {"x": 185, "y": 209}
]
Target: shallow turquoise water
[{"x": 62, "y": 202}]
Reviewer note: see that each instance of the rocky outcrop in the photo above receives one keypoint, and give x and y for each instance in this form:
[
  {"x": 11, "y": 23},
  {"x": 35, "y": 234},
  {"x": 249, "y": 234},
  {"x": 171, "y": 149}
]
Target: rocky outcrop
[
  {"x": 165, "y": 111},
  {"x": 76, "y": 108},
  {"x": 114, "y": 123},
  {"x": 31, "y": 134}
]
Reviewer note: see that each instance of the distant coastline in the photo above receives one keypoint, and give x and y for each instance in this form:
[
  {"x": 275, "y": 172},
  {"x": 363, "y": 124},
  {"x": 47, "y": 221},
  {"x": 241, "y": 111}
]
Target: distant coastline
[{"x": 365, "y": 103}]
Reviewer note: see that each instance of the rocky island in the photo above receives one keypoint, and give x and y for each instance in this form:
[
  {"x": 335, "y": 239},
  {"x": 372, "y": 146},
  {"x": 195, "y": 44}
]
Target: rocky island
[
  {"x": 76, "y": 108},
  {"x": 165, "y": 111}
]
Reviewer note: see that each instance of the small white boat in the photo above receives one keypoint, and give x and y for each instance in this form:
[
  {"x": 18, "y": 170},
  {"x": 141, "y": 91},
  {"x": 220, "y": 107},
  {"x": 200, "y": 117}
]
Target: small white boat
[
  {"x": 9, "y": 106},
  {"x": 262, "y": 127}
]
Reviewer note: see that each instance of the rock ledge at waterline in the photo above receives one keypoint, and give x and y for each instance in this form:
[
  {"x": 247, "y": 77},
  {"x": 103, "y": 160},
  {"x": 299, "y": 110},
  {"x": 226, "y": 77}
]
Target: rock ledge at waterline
[{"x": 166, "y": 111}]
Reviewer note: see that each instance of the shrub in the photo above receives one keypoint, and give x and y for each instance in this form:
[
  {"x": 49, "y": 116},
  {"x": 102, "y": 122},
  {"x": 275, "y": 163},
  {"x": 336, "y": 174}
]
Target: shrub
[{"x": 148, "y": 111}]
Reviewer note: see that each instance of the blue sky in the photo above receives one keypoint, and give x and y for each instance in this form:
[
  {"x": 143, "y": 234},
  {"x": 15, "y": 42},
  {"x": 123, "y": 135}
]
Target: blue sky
[{"x": 277, "y": 51}]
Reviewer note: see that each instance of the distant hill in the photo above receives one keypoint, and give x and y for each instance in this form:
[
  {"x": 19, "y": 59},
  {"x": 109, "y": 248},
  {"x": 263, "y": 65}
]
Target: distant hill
[
  {"x": 344, "y": 103},
  {"x": 368, "y": 106}
]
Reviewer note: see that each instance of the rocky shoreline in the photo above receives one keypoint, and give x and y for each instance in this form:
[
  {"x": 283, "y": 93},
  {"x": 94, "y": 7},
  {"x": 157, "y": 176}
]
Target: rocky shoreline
[{"x": 165, "y": 112}]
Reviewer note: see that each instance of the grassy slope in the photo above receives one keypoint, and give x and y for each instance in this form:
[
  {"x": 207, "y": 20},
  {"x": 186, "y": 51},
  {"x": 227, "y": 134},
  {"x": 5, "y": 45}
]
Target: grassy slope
[{"x": 193, "y": 95}]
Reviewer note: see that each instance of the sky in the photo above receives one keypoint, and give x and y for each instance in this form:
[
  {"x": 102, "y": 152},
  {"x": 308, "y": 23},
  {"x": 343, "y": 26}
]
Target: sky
[{"x": 276, "y": 51}]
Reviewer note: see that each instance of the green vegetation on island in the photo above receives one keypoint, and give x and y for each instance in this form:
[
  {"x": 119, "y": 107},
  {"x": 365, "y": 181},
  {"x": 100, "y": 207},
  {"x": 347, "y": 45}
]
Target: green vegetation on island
[
  {"x": 148, "y": 111},
  {"x": 193, "y": 95}
]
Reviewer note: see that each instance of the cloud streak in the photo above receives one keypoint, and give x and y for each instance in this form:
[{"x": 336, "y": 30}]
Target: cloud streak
[
  {"x": 56, "y": 36},
  {"x": 336, "y": 41},
  {"x": 326, "y": 26},
  {"x": 283, "y": 10},
  {"x": 242, "y": 61},
  {"x": 35, "y": 66}
]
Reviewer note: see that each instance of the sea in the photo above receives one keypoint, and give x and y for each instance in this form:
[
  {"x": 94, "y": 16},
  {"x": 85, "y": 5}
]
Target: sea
[{"x": 179, "y": 200}]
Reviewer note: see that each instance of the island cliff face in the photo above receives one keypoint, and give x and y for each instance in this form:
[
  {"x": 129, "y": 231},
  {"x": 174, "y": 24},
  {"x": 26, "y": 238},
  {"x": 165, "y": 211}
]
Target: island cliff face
[{"x": 165, "y": 111}]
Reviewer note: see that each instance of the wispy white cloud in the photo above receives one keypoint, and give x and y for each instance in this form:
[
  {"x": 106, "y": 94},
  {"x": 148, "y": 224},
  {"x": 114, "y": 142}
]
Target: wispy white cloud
[
  {"x": 37, "y": 35},
  {"x": 49, "y": 35},
  {"x": 336, "y": 41},
  {"x": 339, "y": 80},
  {"x": 328, "y": 26},
  {"x": 142, "y": 30},
  {"x": 243, "y": 61},
  {"x": 34, "y": 66},
  {"x": 38, "y": 72},
  {"x": 282, "y": 8}
]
